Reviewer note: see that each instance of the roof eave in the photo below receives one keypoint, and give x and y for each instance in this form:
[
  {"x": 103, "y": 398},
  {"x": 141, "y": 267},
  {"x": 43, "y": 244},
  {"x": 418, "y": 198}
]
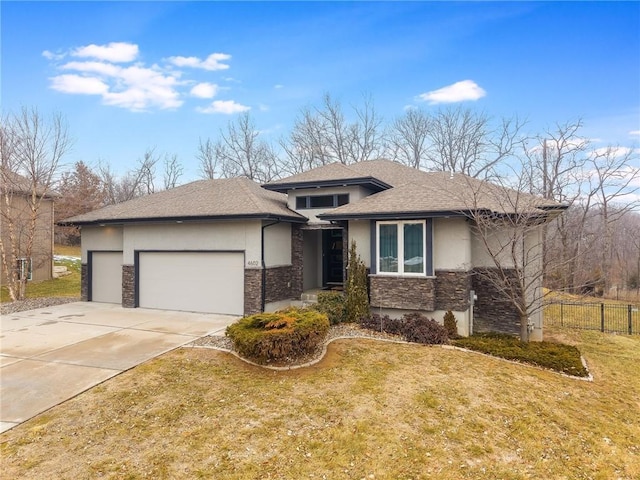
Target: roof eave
[
  {"x": 369, "y": 182},
  {"x": 182, "y": 219},
  {"x": 393, "y": 215}
]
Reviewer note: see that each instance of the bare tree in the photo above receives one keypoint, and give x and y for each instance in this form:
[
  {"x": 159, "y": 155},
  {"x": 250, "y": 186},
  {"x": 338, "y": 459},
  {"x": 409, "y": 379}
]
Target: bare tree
[
  {"x": 323, "y": 135},
  {"x": 555, "y": 169},
  {"x": 612, "y": 174},
  {"x": 173, "y": 170},
  {"x": 507, "y": 223},
  {"x": 463, "y": 141},
  {"x": 242, "y": 153},
  {"x": 137, "y": 182},
  {"x": 409, "y": 138},
  {"x": 208, "y": 162},
  {"x": 32, "y": 149}
]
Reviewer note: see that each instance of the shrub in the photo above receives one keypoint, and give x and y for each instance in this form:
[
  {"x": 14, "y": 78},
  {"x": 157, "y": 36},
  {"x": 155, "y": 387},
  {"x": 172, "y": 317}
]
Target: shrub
[
  {"x": 332, "y": 304},
  {"x": 279, "y": 337},
  {"x": 382, "y": 323},
  {"x": 413, "y": 327},
  {"x": 357, "y": 301},
  {"x": 451, "y": 324},
  {"x": 420, "y": 329},
  {"x": 556, "y": 356}
]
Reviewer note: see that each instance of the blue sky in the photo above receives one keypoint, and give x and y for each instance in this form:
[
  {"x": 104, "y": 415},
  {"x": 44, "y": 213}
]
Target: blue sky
[{"x": 129, "y": 76}]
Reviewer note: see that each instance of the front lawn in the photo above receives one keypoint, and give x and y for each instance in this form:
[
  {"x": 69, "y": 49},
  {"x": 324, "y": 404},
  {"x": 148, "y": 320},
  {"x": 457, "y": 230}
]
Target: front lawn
[
  {"x": 66, "y": 286},
  {"x": 369, "y": 410}
]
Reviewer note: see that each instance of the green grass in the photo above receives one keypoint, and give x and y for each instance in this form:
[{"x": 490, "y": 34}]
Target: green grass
[
  {"x": 556, "y": 356},
  {"x": 67, "y": 286},
  {"x": 369, "y": 410},
  {"x": 586, "y": 313}
]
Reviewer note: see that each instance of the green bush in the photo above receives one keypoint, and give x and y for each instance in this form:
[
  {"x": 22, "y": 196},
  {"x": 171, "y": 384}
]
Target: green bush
[
  {"x": 556, "y": 356},
  {"x": 280, "y": 337},
  {"x": 357, "y": 301},
  {"x": 333, "y": 305},
  {"x": 451, "y": 324}
]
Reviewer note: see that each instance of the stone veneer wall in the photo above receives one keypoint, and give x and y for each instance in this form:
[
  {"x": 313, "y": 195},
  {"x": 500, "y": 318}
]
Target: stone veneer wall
[
  {"x": 403, "y": 292},
  {"x": 128, "y": 286},
  {"x": 84, "y": 282},
  {"x": 453, "y": 289},
  {"x": 296, "y": 260},
  {"x": 493, "y": 312},
  {"x": 279, "y": 283},
  {"x": 252, "y": 291}
]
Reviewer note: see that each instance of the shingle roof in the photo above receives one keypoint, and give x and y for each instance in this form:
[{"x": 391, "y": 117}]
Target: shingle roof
[
  {"x": 220, "y": 198},
  {"x": 15, "y": 183},
  {"x": 414, "y": 191}
]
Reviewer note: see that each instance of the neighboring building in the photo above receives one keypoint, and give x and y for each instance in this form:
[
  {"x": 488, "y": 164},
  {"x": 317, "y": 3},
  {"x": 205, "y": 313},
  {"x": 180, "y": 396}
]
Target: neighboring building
[
  {"x": 15, "y": 210},
  {"x": 231, "y": 246}
]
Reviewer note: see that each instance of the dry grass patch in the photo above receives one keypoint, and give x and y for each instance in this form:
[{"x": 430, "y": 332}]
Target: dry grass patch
[{"x": 369, "y": 408}]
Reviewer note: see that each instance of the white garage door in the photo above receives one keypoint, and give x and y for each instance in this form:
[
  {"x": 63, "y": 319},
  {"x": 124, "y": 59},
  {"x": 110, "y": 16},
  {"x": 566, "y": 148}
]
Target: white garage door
[
  {"x": 210, "y": 282},
  {"x": 106, "y": 277}
]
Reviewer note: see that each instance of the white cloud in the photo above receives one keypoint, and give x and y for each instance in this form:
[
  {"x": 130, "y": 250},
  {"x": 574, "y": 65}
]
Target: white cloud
[
  {"x": 612, "y": 151},
  {"x": 134, "y": 87},
  {"x": 52, "y": 56},
  {"x": 278, "y": 86},
  {"x": 211, "y": 63},
  {"x": 457, "y": 92},
  {"x": 204, "y": 90},
  {"x": 107, "y": 71},
  {"x": 118, "y": 52},
  {"x": 100, "y": 68},
  {"x": 79, "y": 85},
  {"x": 634, "y": 133},
  {"x": 226, "y": 107}
]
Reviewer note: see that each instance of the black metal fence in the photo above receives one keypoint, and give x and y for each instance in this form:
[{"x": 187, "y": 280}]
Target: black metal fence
[{"x": 605, "y": 317}]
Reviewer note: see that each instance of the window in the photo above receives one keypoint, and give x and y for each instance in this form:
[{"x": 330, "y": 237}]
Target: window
[
  {"x": 24, "y": 267},
  {"x": 401, "y": 247},
  {"x": 321, "y": 201}
]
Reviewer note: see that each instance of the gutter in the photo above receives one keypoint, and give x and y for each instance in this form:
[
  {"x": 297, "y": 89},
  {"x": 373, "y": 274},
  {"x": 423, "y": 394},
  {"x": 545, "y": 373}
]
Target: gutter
[{"x": 264, "y": 267}]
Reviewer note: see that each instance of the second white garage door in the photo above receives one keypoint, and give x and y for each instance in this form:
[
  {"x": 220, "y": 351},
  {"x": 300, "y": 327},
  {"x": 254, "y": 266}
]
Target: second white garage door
[
  {"x": 106, "y": 277},
  {"x": 211, "y": 282}
]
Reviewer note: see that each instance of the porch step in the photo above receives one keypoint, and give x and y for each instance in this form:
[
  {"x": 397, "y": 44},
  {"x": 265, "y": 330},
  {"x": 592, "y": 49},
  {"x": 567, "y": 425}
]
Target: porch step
[{"x": 308, "y": 298}]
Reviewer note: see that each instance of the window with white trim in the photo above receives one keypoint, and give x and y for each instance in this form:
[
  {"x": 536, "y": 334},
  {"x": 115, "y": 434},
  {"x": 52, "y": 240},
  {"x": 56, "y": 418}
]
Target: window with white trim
[
  {"x": 402, "y": 248},
  {"x": 24, "y": 267}
]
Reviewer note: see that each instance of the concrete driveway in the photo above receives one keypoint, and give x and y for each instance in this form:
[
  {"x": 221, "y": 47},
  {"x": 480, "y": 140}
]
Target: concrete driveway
[{"x": 52, "y": 354}]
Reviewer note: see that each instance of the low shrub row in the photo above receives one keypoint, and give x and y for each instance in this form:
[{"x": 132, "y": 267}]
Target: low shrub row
[
  {"x": 556, "y": 356},
  {"x": 279, "y": 337},
  {"x": 413, "y": 327}
]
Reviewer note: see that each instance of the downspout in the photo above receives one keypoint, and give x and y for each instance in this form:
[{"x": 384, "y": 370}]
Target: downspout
[{"x": 264, "y": 267}]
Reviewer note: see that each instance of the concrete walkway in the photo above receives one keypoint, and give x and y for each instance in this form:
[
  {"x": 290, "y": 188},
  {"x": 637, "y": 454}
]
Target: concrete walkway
[{"x": 52, "y": 354}]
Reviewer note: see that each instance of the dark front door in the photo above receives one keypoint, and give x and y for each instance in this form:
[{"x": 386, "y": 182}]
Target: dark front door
[{"x": 332, "y": 265}]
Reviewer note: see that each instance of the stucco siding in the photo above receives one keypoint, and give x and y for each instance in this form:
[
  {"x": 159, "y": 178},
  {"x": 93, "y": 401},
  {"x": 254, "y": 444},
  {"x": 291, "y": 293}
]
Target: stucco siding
[
  {"x": 221, "y": 236},
  {"x": 360, "y": 231},
  {"x": 451, "y": 244},
  {"x": 100, "y": 238},
  {"x": 479, "y": 255},
  {"x": 277, "y": 245},
  {"x": 355, "y": 193}
]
